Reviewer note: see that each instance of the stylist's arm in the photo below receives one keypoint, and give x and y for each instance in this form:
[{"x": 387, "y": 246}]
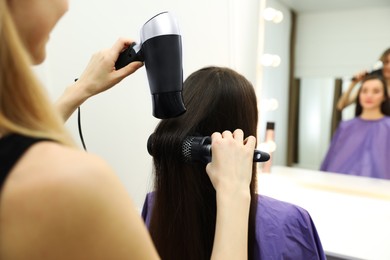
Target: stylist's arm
[
  {"x": 56, "y": 201},
  {"x": 230, "y": 172}
]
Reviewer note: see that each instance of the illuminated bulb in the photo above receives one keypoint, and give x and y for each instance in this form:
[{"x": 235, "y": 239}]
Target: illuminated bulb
[
  {"x": 269, "y": 104},
  {"x": 271, "y": 14},
  {"x": 272, "y": 104},
  {"x": 266, "y": 59},
  {"x": 276, "y": 61},
  {"x": 270, "y": 60},
  {"x": 268, "y": 147},
  {"x": 278, "y": 17}
]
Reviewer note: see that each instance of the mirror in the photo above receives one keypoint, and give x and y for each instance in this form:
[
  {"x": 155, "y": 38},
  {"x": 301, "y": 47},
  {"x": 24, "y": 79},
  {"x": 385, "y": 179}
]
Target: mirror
[{"x": 331, "y": 41}]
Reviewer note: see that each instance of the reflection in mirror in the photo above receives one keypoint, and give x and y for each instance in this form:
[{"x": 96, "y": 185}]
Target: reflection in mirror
[{"x": 330, "y": 40}]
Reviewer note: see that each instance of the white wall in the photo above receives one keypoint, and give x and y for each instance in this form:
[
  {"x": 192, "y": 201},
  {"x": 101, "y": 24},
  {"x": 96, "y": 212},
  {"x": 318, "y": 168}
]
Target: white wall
[
  {"x": 116, "y": 124},
  {"x": 340, "y": 43}
]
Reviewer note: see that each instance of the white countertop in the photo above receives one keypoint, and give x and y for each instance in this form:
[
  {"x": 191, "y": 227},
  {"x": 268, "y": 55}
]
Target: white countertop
[{"x": 351, "y": 214}]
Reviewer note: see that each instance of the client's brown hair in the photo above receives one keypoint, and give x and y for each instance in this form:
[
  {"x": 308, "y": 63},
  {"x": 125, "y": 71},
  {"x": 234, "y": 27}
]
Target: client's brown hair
[{"x": 184, "y": 214}]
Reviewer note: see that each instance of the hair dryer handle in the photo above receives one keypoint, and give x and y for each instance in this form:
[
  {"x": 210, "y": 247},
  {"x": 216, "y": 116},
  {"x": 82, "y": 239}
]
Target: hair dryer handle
[{"x": 132, "y": 53}]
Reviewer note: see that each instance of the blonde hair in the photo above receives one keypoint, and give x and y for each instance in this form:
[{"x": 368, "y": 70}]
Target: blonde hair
[{"x": 24, "y": 104}]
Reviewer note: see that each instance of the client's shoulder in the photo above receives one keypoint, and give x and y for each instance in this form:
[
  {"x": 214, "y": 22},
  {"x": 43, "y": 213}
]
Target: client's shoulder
[
  {"x": 270, "y": 209},
  {"x": 386, "y": 120},
  {"x": 281, "y": 226},
  {"x": 349, "y": 122}
]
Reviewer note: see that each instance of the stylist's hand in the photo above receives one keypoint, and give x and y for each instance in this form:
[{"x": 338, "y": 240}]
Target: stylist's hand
[
  {"x": 100, "y": 73},
  {"x": 360, "y": 76},
  {"x": 232, "y": 157}
]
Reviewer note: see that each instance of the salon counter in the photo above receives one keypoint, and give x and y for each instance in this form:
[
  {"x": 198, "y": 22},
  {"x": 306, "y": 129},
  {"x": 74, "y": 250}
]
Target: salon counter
[{"x": 352, "y": 214}]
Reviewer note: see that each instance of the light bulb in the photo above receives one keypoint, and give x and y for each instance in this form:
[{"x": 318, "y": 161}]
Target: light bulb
[
  {"x": 268, "y": 147},
  {"x": 271, "y": 14},
  {"x": 270, "y": 60}
]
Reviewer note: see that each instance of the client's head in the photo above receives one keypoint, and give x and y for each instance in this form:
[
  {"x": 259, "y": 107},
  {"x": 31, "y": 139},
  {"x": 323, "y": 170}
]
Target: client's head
[
  {"x": 373, "y": 95},
  {"x": 217, "y": 99}
]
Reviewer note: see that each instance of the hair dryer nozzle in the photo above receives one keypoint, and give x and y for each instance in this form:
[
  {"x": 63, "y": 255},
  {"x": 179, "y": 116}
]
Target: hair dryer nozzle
[{"x": 168, "y": 104}]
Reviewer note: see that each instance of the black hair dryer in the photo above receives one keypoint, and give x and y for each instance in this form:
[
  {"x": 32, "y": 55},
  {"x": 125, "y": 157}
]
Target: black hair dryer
[{"x": 161, "y": 51}]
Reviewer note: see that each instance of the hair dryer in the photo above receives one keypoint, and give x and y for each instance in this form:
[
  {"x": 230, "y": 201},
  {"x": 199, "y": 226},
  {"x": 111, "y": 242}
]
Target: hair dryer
[{"x": 161, "y": 51}]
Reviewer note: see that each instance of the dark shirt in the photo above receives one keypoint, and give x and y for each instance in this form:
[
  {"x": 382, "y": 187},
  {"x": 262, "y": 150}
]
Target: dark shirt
[{"x": 12, "y": 148}]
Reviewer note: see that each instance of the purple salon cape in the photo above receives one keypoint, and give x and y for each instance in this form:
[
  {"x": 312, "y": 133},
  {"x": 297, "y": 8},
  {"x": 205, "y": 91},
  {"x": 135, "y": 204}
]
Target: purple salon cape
[
  {"x": 283, "y": 230},
  {"x": 360, "y": 147}
]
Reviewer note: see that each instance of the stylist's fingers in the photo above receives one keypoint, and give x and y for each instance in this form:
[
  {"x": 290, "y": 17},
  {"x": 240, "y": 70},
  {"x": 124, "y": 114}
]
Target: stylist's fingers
[
  {"x": 250, "y": 142},
  {"x": 129, "y": 69},
  {"x": 216, "y": 135},
  {"x": 226, "y": 134},
  {"x": 238, "y": 135},
  {"x": 121, "y": 44},
  {"x": 360, "y": 75},
  {"x": 231, "y": 164}
]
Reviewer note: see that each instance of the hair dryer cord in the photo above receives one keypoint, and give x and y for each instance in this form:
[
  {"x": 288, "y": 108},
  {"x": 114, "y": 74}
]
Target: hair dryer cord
[{"x": 79, "y": 125}]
